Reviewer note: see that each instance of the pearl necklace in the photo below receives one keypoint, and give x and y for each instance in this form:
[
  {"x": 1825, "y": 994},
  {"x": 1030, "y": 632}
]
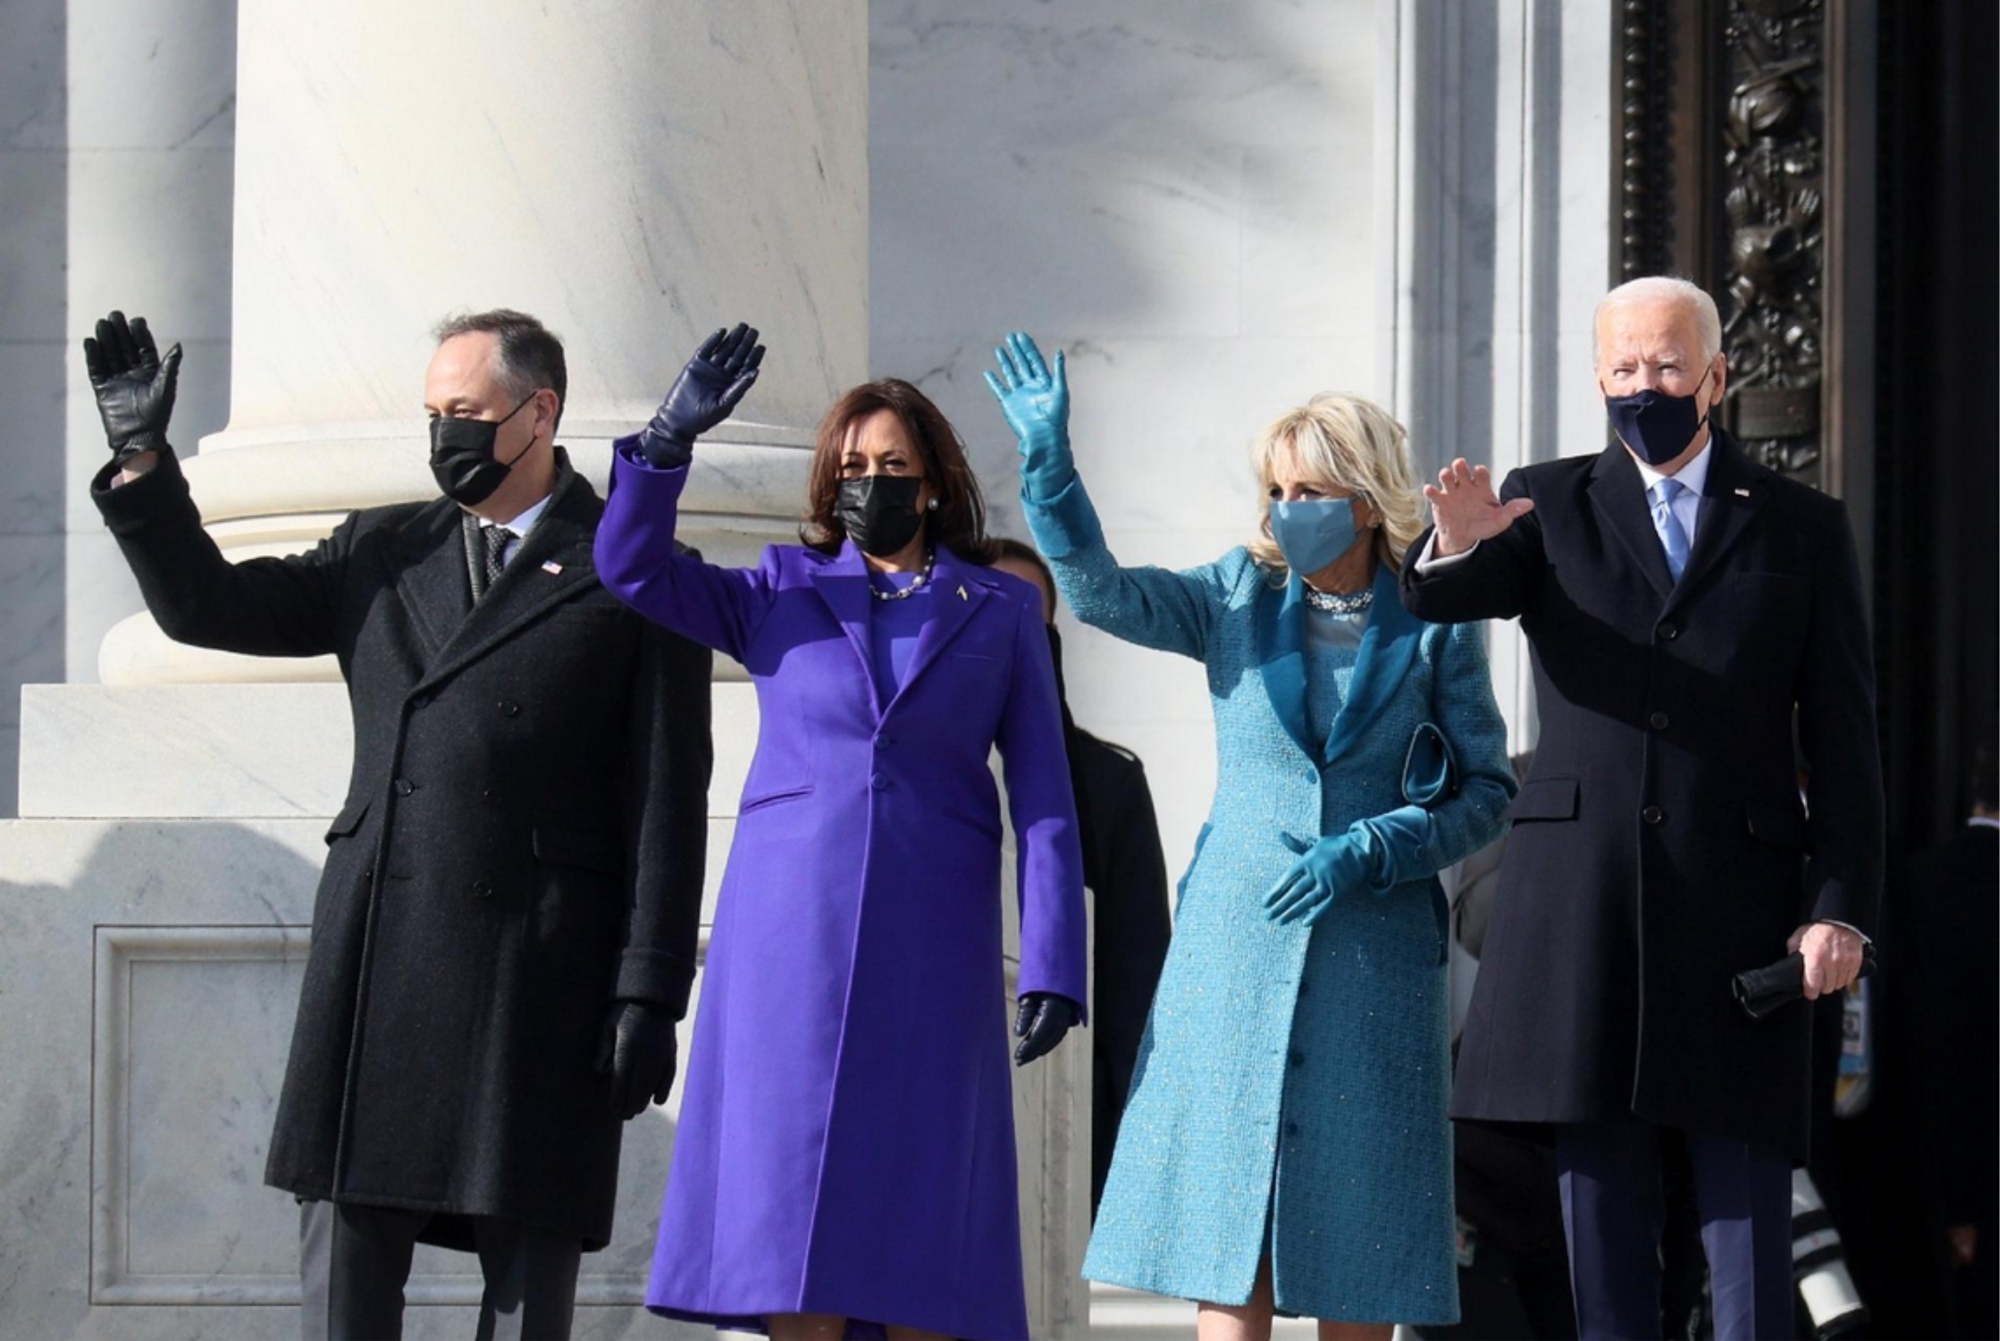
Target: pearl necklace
[
  {"x": 1352, "y": 603},
  {"x": 904, "y": 593}
]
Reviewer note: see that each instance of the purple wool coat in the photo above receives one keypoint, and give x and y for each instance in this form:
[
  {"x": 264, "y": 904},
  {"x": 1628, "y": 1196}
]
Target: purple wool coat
[{"x": 846, "y": 1140}]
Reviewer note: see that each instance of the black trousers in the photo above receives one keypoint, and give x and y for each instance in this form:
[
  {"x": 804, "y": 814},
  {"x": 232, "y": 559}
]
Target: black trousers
[{"x": 355, "y": 1260}]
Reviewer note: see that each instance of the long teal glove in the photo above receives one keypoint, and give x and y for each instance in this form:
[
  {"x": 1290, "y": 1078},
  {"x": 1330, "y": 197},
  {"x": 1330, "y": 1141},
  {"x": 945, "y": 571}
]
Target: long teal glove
[
  {"x": 1335, "y": 866},
  {"x": 1036, "y": 404}
]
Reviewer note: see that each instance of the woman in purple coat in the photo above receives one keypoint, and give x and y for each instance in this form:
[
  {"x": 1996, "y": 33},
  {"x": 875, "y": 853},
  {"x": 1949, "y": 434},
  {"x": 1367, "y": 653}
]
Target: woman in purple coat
[{"x": 845, "y": 1159}]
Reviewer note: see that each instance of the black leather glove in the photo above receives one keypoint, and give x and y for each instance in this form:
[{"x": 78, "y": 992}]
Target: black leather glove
[
  {"x": 638, "y": 1052},
  {"x": 702, "y": 396},
  {"x": 1040, "y": 1022},
  {"x": 134, "y": 385}
]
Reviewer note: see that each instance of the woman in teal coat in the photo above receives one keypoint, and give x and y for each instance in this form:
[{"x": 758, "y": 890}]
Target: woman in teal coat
[{"x": 1285, "y": 1145}]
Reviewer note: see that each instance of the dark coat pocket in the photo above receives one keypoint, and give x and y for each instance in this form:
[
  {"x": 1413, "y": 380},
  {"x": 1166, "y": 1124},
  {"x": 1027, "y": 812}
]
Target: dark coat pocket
[
  {"x": 1544, "y": 799},
  {"x": 347, "y": 821}
]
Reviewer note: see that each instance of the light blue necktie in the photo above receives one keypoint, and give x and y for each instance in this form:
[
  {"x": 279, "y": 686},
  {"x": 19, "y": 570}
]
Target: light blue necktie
[{"x": 1672, "y": 534}]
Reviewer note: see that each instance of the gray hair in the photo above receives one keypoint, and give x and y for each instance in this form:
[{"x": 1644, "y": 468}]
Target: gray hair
[
  {"x": 1669, "y": 289},
  {"x": 530, "y": 355}
]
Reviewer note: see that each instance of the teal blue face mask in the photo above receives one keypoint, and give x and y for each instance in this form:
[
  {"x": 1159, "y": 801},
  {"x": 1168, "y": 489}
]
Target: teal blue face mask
[{"x": 1313, "y": 532}]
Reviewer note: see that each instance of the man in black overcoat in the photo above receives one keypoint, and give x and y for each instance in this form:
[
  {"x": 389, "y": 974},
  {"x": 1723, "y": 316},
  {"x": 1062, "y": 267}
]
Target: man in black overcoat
[
  {"x": 504, "y": 935},
  {"x": 1683, "y": 605},
  {"x": 1126, "y": 873}
]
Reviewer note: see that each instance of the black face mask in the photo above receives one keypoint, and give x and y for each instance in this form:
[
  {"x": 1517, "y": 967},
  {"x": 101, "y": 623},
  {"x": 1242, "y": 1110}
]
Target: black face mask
[
  {"x": 462, "y": 456},
  {"x": 879, "y": 512}
]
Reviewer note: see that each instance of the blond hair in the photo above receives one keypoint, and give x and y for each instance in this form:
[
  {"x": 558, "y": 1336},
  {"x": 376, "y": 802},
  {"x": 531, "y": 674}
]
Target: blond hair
[{"x": 1353, "y": 443}]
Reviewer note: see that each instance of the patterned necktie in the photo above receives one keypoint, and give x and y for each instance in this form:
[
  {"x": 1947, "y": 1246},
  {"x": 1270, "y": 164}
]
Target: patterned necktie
[
  {"x": 1672, "y": 534},
  {"x": 496, "y": 538}
]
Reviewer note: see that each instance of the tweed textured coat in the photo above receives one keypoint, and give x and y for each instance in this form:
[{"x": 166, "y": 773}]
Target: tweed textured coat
[
  {"x": 1291, "y": 1088},
  {"x": 522, "y": 843},
  {"x": 846, "y": 1141}
]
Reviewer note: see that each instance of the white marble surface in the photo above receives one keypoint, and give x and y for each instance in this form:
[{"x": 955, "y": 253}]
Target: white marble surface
[
  {"x": 699, "y": 165},
  {"x": 1181, "y": 195},
  {"x": 1501, "y": 245},
  {"x": 168, "y": 951},
  {"x": 116, "y": 126},
  {"x": 215, "y": 751}
]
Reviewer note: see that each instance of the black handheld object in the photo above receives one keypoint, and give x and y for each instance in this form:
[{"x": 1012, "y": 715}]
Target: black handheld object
[{"x": 1761, "y": 991}]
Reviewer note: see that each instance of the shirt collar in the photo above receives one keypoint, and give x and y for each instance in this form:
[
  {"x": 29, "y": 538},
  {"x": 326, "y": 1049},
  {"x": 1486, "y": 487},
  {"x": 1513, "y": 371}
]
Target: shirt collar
[
  {"x": 1694, "y": 474},
  {"x": 525, "y": 520},
  {"x": 1982, "y": 822}
]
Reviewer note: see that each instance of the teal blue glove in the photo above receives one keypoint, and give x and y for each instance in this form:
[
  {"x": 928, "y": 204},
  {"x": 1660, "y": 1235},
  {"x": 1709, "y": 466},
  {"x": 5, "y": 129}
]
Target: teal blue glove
[
  {"x": 1335, "y": 866},
  {"x": 1036, "y": 404}
]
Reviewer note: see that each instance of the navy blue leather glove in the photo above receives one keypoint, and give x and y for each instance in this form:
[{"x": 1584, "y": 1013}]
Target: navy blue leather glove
[
  {"x": 704, "y": 395},
  {"x": 1036, "y": 403},
  {"x": 639, "y": 1052},
  {"x": 133, "y": 384},
  {"x": 1040, "y": 1023},
  {"x": 1334, "y": 867}
]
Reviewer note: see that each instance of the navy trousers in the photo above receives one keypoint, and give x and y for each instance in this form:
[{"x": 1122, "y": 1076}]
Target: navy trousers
[{"x": 1613, "y": 1207}]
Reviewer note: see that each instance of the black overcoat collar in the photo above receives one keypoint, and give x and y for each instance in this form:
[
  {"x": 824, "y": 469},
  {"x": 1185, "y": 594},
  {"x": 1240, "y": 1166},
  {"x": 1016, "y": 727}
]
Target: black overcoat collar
[
  {"x": 553, "y": 564},
  {"x": 1730, "y": 498}
]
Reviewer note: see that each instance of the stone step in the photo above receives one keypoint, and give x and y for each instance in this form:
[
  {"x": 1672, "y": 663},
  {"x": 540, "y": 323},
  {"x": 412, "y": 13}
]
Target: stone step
[{"x": 1131, "y": 1315}]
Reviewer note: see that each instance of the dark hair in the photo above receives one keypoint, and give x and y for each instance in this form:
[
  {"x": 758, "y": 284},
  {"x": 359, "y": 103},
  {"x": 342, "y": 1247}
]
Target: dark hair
[
  {"x": 531, "y": 355},
  {"x": 1006, "y": 547},
  {"x": 959, "y": 523}
]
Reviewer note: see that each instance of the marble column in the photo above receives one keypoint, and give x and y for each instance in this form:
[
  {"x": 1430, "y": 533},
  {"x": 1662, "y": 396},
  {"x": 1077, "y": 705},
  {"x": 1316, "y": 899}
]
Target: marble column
[
  {"x": 1493, "y": 147},
  {"x": 632, "y": 172},
  {"x": 116, "y": 127}
]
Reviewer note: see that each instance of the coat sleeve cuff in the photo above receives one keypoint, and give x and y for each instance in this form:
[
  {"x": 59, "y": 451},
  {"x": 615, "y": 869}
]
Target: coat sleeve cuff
[
  {"x": 665, "y": 456},
  {"x": 1430, "y": 561},
  {"x": 657, "y": 977},
  {"x": 131, "y": 506},
  {"x": 1063, "y": 523},
  {"x": 1395, "y": 844}
]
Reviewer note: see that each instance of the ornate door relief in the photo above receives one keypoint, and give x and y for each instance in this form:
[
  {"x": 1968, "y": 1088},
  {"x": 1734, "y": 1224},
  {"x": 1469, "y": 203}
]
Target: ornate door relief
[{"x": 1722, "y": 177}]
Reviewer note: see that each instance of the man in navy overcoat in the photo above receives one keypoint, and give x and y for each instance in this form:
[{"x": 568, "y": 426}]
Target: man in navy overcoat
[{"x": 1685, "y": 608}]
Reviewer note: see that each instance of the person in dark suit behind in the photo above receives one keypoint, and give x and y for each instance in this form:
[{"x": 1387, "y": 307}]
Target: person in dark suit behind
[
  {"x": 1126, "y": 873},
  {"x": 1956, "y": 888},
  {"x": 1682, "y": 604},
  {"x": 505, "y": 931}
]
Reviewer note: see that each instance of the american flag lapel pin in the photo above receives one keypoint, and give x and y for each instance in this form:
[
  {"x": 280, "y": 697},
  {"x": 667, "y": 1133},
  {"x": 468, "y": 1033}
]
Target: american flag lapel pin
[{"x": 551, "y": 566}]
